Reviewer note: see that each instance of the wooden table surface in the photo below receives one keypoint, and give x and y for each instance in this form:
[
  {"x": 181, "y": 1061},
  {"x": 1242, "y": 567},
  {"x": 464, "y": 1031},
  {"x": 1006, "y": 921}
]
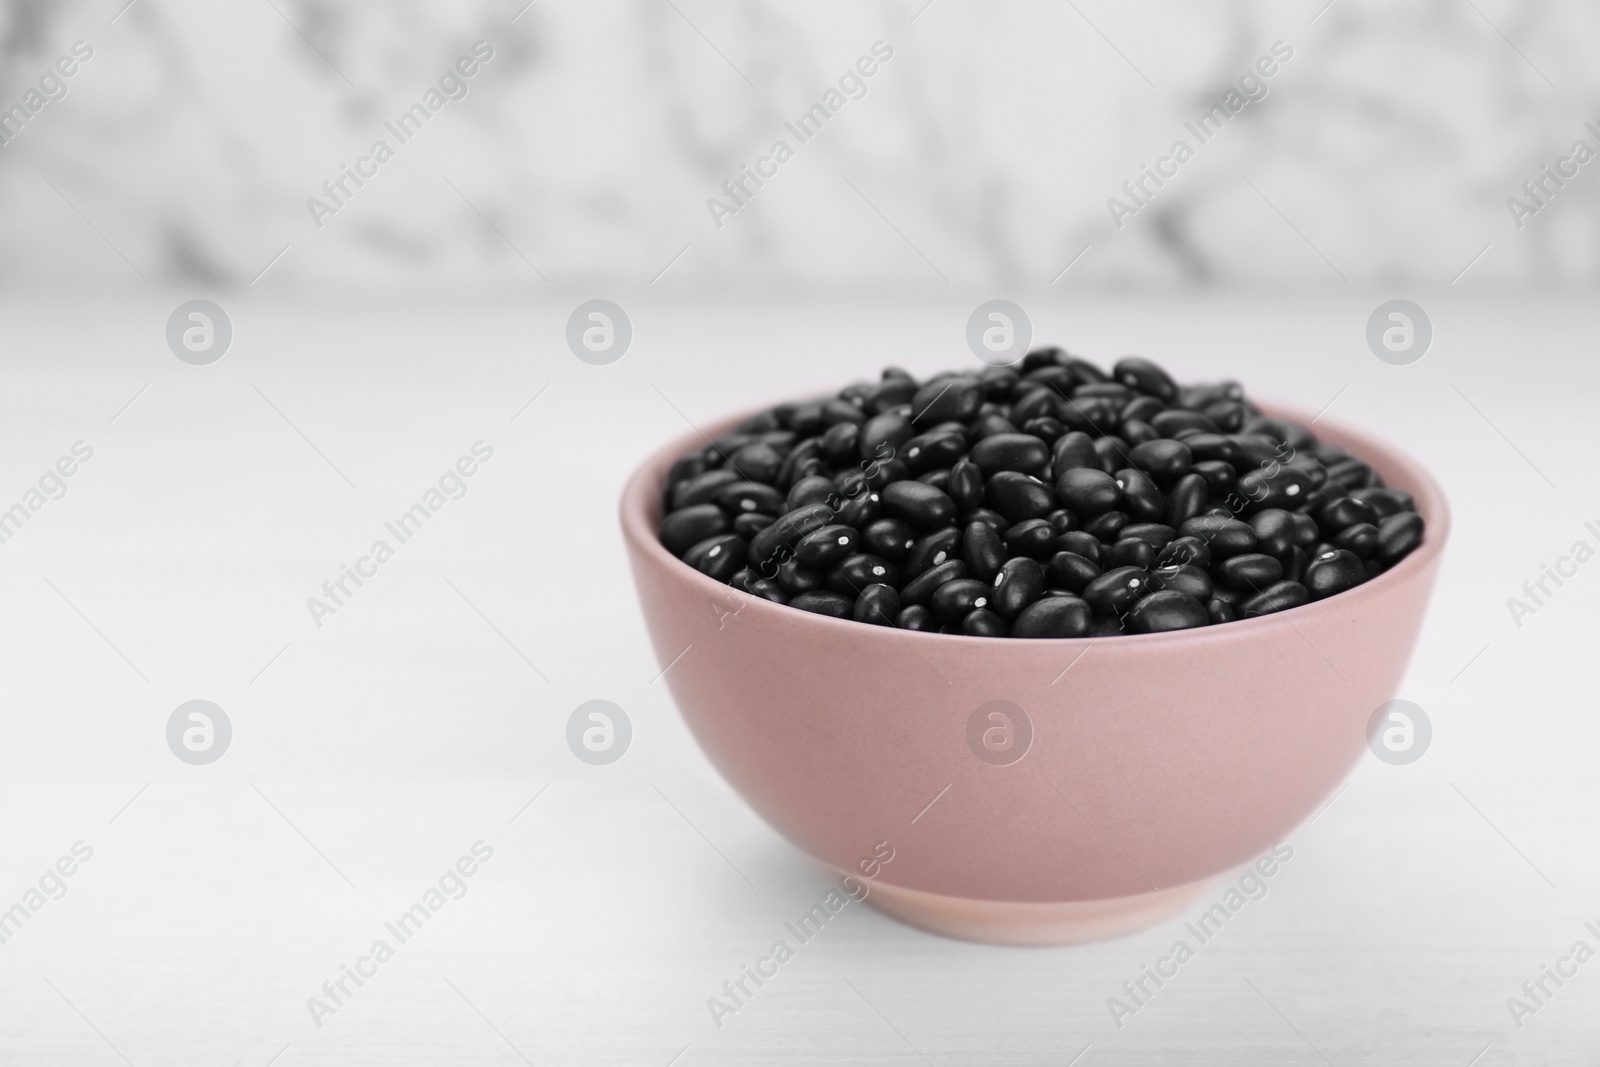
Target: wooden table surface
[{"x": 427, "y": 715}]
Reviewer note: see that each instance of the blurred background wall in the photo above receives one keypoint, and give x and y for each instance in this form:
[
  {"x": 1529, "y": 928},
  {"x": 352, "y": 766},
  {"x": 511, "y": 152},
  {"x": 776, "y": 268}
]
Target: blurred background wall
[{"x": 982, "y": 154}]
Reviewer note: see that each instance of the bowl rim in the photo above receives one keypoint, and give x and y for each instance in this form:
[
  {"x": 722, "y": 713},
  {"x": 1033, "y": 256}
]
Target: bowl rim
[{"x": 641, "y": 496}]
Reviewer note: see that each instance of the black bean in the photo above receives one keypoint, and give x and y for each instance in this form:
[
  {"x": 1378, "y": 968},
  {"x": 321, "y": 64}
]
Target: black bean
[
  {"x": 921, "y": 505},
  {"x": 883, "y": 435},
  {"x": 1061, "y": 519},
  {"x": 1362, "y": 539},
  {"x": 826, "y": 546},
  {"x": 1295, "y": 436},
  {"x": 757, "y": 461},
  {"x": 1224, "y": 536},
  {"x": 738, "y": 497},
  {"x": 1185, "y": 551},
  {"x": 1117, "y": 590},
  {"x": 1140, "y": 498},
  {"x": 916, "y": 617},
  {"x": 855, "y": 573},
  {"x": 751, "y": 523},
  {"x": 1157, "y": 535},
  {"x": 1018, "y": 496},
  {"x": 1274, "y": 529},
  {"x": 1010, "y": 452},
  {"x": 891, "y": 393},
  {"x": 1131, "y": 552},
  {"x": 1108, "y": 390},
  {"x": 1045, "y": 428},
  {"x": 1253, "y": 571},
  {"x": 1033, "y": 538},
  {"x": 683, "y": 469},
  {"x": 889, "y": 538},
  {"x": 952, "y": 398},
  {"x": 1185, "y": 579},
  {"x": 799, "y": 579},
  {"x": 1162, "y": 458},
  {"x": 966, "y": 485},
  {"x": 881, "y": 474},
  {"x": 850, "y": 482},
  {"x": 1039, "y": 402},
  {"x": 1294, "y": 564},
  {"x": 822, "y": 603},
  {"x": 812, "y": 489},
  {"x": 1220, "y": 610},
  {"x": 1221, "y": 478},
  {"x": 1344, "y": 512},
  {"x": 1019, "y": 583},
  {"x": 987, "y": 515},
  {"x": 1139, "y": 373},
  {"x": 1039, "y": 358},
  {"x": 1087, "y": 491},
  {"x": 1277, "y": 597},
  {"x": 988, "y": 424},
  {"x": 953, "y": 599},
  {"x": 1166, "y": 610},
  {"x": 1229, "y": 415},
  {"x": 804, "y": 458},
  {"x": 1257, "y": 450},
  {"x": 1070, "y": 571},
  {"x": 718, "y": 557},
  {"x": 766, "y": 589},
  {"x": 1200, "y": 396},
  {"x": 702, "y": 489},
  {"x": 1055, "y": 616},
  {"x": 1333, "y": 572},
  {"x": 790, "y": 527},
  {"x": 1172, "y": 423},
  {"x": 1083, "y": 543},
  {"x": 877, "y": 604},
  {"x": 804, "y": 417},
  {"x": 841, "y": 410},
  {"x": 930, "y": 551},
  {"x": 919, "y": 589},
  {"x": 1113, "y": 452},
  {"x": 981, "y": 622},
  {"x": 681, "y": 530},
  {"x": 840, "y": 443},
  {"x": 862, "y": 509},
  {"x": 1329, "y": 454},
  {"x": 934, "y": 450},
  {"x": 1285, "y": 487},
  {"x": 1137, "y": 433},
  {"x": 1351, "y": 473},
  {"x": 1384, "y": 501},
  {"x": 1397, "y": 535},
  {"x": 1188, "y": 498},
  {"x": 1306, "y": 533},
  {"x": 725, "y": 446},
  {"x": 1212, "y": 446},
  {"x": 1074, "y": 449},
  {"x": 1107, "y": 527},
  {"x": 982, "y": 550},
  {"x": 1083, "y": 371},
  {"x": 1141, "y": 409}
]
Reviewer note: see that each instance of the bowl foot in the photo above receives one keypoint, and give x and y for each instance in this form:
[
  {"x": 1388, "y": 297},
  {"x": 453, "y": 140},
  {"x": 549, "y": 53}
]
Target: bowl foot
[{"x": 1000, "y": 922}]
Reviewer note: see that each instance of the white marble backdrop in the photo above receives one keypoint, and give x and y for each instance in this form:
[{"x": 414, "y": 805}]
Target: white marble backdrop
[{"x": 982, "y": 154}]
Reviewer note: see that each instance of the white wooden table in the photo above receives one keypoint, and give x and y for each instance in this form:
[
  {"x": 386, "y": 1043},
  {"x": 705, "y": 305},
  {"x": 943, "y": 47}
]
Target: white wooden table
[{"x": 371, "y": 753}]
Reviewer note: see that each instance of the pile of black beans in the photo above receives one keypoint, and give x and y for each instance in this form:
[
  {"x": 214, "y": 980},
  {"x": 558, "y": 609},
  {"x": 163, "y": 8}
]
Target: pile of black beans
[{"x": 1044, "y": 499}]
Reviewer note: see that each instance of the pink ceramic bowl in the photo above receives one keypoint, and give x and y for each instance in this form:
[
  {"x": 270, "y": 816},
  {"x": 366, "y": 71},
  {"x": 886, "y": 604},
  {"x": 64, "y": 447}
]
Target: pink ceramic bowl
[{"x": 1156, "y": 763}]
